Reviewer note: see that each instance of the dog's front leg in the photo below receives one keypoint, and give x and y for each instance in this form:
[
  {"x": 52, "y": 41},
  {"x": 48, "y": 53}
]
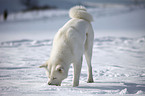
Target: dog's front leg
[{"x": 77, "y": 71}]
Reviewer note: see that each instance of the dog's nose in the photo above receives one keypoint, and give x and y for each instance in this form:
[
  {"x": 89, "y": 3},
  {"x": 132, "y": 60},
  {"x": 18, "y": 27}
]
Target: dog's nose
[{"x": 49, "y": 83}]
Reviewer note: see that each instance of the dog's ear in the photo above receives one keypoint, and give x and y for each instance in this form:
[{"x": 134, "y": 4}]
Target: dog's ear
[
  {"x": 45, "y": 65},
  {"x": 59, "y": 68}
]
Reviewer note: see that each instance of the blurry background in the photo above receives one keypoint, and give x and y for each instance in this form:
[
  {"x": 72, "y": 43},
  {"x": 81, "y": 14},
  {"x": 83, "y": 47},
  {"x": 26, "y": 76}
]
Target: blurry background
[
  {"x": 27, "y": 5},
  {"x": 22, "y": 18}
]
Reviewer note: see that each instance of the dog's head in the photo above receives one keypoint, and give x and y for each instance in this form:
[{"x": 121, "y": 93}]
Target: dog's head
[{"x": 56, "y": 73}]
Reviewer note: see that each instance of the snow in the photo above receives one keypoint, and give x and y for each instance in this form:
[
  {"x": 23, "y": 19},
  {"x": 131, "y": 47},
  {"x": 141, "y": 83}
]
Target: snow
[{"x": 118, "y": 53}]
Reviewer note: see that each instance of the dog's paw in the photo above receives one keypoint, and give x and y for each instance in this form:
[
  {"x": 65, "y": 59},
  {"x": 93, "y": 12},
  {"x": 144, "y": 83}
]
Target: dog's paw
[{"x": 90, "y": 81}]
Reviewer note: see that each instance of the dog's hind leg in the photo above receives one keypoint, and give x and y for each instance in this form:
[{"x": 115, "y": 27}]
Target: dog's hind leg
[{"x": 88, "y": 54}]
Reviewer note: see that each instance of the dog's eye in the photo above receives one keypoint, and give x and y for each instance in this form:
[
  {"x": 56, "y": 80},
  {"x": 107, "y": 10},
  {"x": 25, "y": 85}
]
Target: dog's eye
[{"x": 54, "y": 78}]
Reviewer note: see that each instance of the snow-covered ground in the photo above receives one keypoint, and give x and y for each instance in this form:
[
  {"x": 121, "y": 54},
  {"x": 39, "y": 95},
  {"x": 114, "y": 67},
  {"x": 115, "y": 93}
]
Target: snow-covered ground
[{"x": 118, "y": 53}]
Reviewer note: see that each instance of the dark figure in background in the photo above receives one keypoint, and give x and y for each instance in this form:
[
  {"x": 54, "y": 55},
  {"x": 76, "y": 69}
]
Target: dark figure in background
[{"x": 5, "y": 14}]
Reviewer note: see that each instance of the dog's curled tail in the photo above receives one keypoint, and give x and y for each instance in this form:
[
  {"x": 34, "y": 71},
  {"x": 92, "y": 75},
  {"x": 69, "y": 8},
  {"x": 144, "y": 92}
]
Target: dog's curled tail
[{"x": 80, "y": 12}]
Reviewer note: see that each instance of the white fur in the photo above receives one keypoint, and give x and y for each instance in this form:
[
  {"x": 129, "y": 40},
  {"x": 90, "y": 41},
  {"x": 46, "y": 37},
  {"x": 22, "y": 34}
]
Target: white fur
[
  {"x": 73, "y": 40},
  {"x": 80, "y": 12}
]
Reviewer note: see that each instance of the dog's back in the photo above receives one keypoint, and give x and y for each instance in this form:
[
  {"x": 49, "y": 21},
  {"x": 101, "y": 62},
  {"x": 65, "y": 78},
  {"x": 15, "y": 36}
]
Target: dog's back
[{"x": 77, "y": 31}]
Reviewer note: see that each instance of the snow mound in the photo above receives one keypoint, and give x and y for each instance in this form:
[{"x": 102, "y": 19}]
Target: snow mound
[{"x": 124, "y": 91}]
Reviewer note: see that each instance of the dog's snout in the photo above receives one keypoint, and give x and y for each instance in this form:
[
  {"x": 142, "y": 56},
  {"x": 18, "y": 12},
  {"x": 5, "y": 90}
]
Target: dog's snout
[{"x": 49, "y": 83}]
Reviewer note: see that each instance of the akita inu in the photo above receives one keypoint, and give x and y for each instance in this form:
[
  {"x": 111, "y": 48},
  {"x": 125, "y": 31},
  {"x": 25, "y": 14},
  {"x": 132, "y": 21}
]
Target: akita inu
[{"x": 73, "y": 40}]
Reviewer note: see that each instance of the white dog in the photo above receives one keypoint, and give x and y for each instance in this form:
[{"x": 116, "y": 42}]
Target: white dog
[{"x": 70, "y": 42}]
